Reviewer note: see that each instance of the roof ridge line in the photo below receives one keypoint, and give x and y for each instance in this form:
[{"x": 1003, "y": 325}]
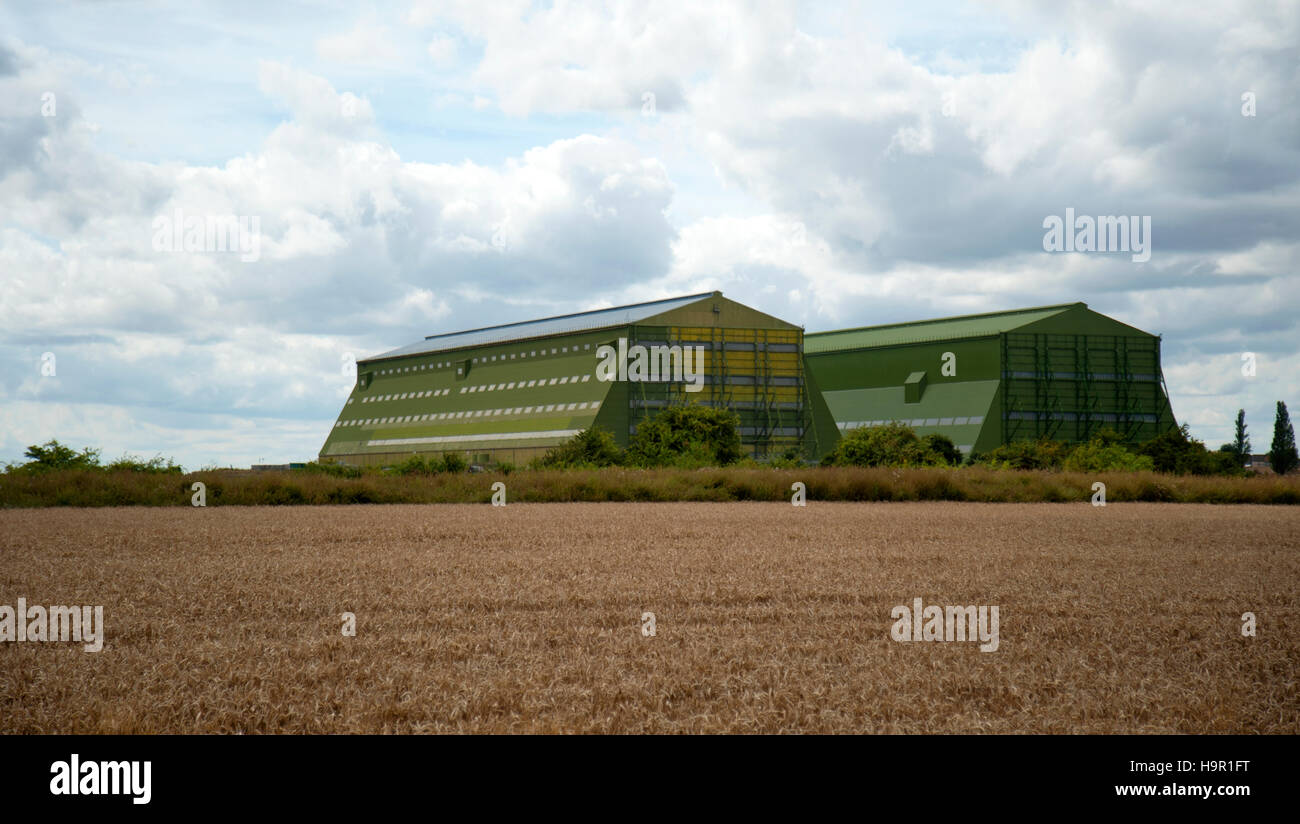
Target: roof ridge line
[
  {"x": 570, "y": 315},
  {"x": 950, "y": 318}
]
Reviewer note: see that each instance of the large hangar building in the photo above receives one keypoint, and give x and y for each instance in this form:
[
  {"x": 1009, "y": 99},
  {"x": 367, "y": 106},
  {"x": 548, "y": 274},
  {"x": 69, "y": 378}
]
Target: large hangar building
[
  {"x": 511, "y": 392},
  {"x": 1061, "y": 372}
]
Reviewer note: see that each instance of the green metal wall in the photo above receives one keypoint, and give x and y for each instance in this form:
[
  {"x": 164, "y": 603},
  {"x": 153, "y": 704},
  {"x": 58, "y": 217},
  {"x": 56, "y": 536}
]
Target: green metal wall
[
  {"x": 757, "y": 373},
  {"x": 1065, "y": 374},
  {"x": 1062, "y": 372},
  {"x": 1067, "y": 387},
  {"x": 865, "y": 387},
  {"x": 428, "y": 403},
  {"x": 465, "y": 401}
]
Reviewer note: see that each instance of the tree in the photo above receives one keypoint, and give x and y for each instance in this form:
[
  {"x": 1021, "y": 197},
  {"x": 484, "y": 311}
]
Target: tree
[
  {"x": 690, "y": 436},
  {"x": 1177, "y": 452},
  {"x": 54, "y": 455},
  {"x": 943, "y": 446},
  {"x": 1041, "y": 454},
  {"x": 1282, "y": 456},
  {"x": 892, "y": 444},
  {"x": 590, "y": 447},
  {"x": 1106, "y": 452},
  {"x": 1241, "y": 443}
]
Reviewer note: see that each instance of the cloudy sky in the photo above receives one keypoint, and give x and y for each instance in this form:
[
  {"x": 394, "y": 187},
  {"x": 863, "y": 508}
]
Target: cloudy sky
[{"x": 416, "y": 168}]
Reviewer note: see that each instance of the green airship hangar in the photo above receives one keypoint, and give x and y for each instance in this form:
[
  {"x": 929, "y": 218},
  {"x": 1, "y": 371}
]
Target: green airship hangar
[{"x": 511, "y": 392}]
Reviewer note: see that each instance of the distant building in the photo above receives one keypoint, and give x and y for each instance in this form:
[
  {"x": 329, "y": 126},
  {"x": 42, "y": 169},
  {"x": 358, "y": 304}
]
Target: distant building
[{"x": 1258, "y": 463}]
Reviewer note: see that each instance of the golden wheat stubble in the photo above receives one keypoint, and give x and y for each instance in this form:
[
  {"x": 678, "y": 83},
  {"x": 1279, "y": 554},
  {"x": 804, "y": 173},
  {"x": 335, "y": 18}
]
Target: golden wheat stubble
[{"x": 769, "y": 618}]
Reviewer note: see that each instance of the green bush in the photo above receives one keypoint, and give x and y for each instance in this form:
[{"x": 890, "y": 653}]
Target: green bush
[
  {"x": 686, "y": 436},
  {"x": 417, "y": 465},
  {"x": 943, "y": 446},
  {"x": 1176, "y": 452},
  {"x": 156, "y": 464},
  {"x": 1098, "y": 456},
  {"x": 1041, "y": 454},
  {"x": 791, "y": 458},
  {"x": 452, "y": 462},
  {"x": 592, "y": 447},
  {"x": 333, "y": 470},
  {"x": 893, "y": 445},
  {"x": 54, "y": 455}
]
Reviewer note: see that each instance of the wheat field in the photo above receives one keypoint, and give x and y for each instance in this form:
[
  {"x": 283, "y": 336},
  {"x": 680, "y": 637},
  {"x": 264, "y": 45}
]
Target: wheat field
[{"x": 768, "y": 618}]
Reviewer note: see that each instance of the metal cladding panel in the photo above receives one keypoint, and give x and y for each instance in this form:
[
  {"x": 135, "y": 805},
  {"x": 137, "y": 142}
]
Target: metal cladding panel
[
  {"x": 470, "y": 390},
  {"x": 758, "y": 373},
  {"x": 520, "y": 395},
  {"x": 822, "y": 434},
  {"x": 717, "y": 312},
  {"x": 973, "y": 359},
  {"x": 960, "y": 410},
  {"x": 1080, "y": 320},
  {"x": 1069, "y": 386},
  {"x": 1062, "y": 372},
  {"x": 560, "y": 325},
  {"x": 964, "y": 326}
]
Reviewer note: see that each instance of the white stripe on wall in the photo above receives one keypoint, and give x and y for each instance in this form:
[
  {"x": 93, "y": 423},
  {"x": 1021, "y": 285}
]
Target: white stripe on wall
[{"x": 492, "y": 436}]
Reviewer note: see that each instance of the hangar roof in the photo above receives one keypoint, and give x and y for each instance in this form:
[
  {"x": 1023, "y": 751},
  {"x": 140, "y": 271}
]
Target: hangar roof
[
  {"x": 961, "y": 326},
  {"x": 560, "y": 324}
]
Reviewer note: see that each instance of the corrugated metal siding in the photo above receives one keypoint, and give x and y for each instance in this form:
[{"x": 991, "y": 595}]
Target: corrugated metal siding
[
  {"x": 965, "y": 326},
  {"x": 563, "y": 324}
]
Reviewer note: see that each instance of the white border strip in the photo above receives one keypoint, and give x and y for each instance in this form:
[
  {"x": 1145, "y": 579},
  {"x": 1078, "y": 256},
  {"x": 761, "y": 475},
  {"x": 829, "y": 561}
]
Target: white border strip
[{"x": 490, "y": 436}]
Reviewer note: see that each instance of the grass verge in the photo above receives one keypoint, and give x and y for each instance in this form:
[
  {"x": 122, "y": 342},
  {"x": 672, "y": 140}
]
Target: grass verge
[{"x": 85, "y": 488}]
